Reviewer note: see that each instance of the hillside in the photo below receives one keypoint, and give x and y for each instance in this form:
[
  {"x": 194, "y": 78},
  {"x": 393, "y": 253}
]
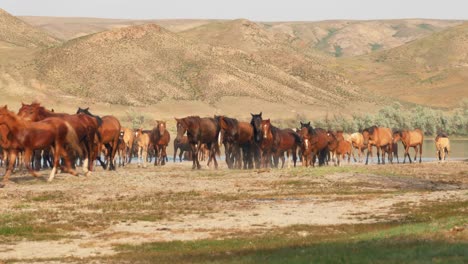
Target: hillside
[
  {"x": 145, "y": 64},
  {"x": 67, "y": 28},
  {"x": 432, "y": 70},
  {"x": 14, "y": 31},
  {"x": 344, "y": 38}
]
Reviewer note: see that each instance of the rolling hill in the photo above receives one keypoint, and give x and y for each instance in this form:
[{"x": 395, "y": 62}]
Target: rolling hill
[
  {"x": 432, "y": 70},
  {"x": 145, "y": 64},
  {"x": 14, "y": 31}
]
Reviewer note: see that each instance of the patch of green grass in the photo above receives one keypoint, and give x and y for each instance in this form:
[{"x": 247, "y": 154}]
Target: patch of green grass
[
  {"x": 25, "y": 226},
  {"x": 375, "y": 46}
]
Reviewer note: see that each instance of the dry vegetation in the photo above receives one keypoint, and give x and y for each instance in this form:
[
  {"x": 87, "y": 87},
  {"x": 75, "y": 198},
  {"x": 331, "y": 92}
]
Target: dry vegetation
[{"x": 110, "y": 214}]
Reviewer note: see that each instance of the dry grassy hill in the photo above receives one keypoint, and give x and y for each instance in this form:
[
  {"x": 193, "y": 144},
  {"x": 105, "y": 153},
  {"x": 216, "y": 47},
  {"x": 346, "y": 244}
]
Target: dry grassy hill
[
  {"x": 431, "y": 71},
  {"x": 345, "y": 38},
  {"x": 145, "y": 64},
  {"x": 14, "y": 31},
  {"x": 67, "y": 28}
]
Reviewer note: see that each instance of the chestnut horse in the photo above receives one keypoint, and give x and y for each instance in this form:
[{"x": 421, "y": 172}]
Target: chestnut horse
[
  {"x": 183, "y": 145},
  {"x": 410, "y": 138},
  {"x": 109, "y": 129},
  {"x": 442, "y": 144},
  {"x": 318, "y": 141},
  {"x": 338, "y": 145},
  {"x": 280, "y": 140},
  {"x": 160, "y": 138},
  {"x": 381, "y": 138},
  {"x": 200, "y": 131},
  {"x": 29, "y": 136},
  {"x": 86, "y": 128},
  {"x": 240, "y": 135}
]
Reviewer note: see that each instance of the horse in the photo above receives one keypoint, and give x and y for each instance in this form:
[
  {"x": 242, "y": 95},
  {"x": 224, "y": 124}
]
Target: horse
[
  {"x": 160, "y": 138},
  {"x": 142, "y": 140},
  {"x": 357, "y": 141},
  {"x": 86, "y": 129},
  {"x": 109, "y": 130},
  {"x": 410, "y": 138},
  {"x": 442, "y": 144},
  {"x": 128, "y": 138},
  {"x": 280, "y": 140},
  {"x": 121, "y": 150},
  {"x": 338, "y": 145},
  {"x": 241, "y": 136},
  {"x": 318, "y": 141},
  {"x": 183, "y": 145},
  {"x": 256, "y": 123},
  {"x": 5, "y": 143},
  {"x": 200, "y": 131},
  {"x": 29, "y": 136},
  {"x": 381, "y": 138}
]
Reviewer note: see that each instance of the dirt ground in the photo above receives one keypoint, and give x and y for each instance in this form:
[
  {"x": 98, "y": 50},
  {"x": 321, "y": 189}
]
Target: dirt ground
[{"x": 88, "y": 216}]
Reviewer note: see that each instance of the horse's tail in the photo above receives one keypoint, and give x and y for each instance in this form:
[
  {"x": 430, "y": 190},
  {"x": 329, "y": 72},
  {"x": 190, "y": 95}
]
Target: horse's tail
[
  {"x": 99, "y": 136},
  {"x": 73, "y": 140}
]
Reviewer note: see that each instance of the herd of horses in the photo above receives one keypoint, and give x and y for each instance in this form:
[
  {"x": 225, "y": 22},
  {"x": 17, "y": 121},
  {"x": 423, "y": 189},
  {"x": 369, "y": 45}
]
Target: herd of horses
[{"x": 61, "y": 140}]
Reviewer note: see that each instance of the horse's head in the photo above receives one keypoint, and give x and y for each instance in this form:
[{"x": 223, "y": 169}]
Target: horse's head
[
  {"x": 162, "y": 127},
  {"x": 368, "y": 134},
  {"x": 181, "y": 127},
  {"x": 83, "y": 111},
  {"x": 266, "y": 128},
  {"x": 397, "y": 135},
  {"x": 138, "y": 133},
  {"x": 256, "y": 122},
  {"x": 29, "y": 112},
  {"x": 121, "y": 135},
  {"x": 305, "y": 124}
]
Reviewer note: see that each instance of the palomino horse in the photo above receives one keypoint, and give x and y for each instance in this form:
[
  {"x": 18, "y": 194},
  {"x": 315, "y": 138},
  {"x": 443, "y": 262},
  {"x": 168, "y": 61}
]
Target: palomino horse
[
  {"x": 160, "y": 138},
  {"x": 128, "y": 138},
  {"x": 381, "y": 138},
  {"x": 280, "y": 140},
  {"x": 442, "y": 144},
  {"x": 357, "y": 140},
  {"x": 29, "y": 136},
  {"x": 109, "y": 129},
  {"x": 410, "y": 138},
  {"x": 200, "y": 131},
  {"x": 240, "y": 135},
  {"x": 142, "y": 141},
  {"x": 86, "y": 129},
  {"x": 318, "y": 140},
  {"x": 339, "y": 146},
  {"x": 183, "y": 145}
]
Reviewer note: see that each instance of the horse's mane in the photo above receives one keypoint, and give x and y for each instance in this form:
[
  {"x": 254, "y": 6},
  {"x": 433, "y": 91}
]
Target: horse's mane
[
  {"x": 231, "y": 121},
  {"x": 86, "y": 111},
  {"x": 370, "y": 129},
  {"x": 442, "y": 134}
]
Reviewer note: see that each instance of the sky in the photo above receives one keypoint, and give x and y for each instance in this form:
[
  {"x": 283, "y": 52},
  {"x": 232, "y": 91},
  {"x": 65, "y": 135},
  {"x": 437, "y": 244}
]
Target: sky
[{"x": 257, "y": 10}]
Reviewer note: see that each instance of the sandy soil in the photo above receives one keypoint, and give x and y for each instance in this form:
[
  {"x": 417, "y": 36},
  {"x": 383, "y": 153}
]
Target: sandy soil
[{"x": 217, "y": 203}]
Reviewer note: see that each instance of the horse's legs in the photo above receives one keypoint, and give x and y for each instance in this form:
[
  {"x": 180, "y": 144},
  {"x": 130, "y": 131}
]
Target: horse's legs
[
  {"x": 27, "y": 161},
  {"x": 415, "y": 152},
  {"x": 163, "y": 155},
  {"x": 175, "y": 153},
  {"x": 367, "y": 158},
  {"x": 181, "y": 153},
  {"x": 9, "y": 167},
  {"x": 407, "y": 154},
  {"x": 420, "y": 152}
]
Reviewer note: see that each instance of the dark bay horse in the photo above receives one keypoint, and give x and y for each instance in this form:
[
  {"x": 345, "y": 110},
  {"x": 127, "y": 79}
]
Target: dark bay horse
[
  {"x": 240, "y": 135},
  {"x": 86, "y": 128},
  {"x": 280, "y": 140},
  {"x": 182, "y": 144},
  {"x": 160, "y": 138},
  {"x": 318, "y": 141},
  {"x": 200, "y": 131},
  {"x": 410, "y": 138},
  {"x": 381, "y": 138},
  {"x": 109, "y": 130},
  {"x": 29, "y": 136},
  {"x": 256, "y": 123}
]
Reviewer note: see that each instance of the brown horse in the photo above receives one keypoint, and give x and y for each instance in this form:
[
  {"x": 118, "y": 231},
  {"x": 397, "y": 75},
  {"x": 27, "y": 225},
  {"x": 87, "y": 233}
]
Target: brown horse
[
  {"x": 86, "y": 128},
  {"x": 318, "y": 141},
  {"x": 184, "y": 146},
  {"x": 410, "y": 138},
  {"x": 109, "y": 130},
  {"x": 160, "y": 138},
  {"x": 29, "y": 136},
  {"x": 200, "y": 131},
  {"x": 240, "y": 135},
  {"x": 280, "y": 140},
  {"x": 442, "y": 144},
  {"x": 339, "y": 146},
  {"x": 381, "y": 138}
]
